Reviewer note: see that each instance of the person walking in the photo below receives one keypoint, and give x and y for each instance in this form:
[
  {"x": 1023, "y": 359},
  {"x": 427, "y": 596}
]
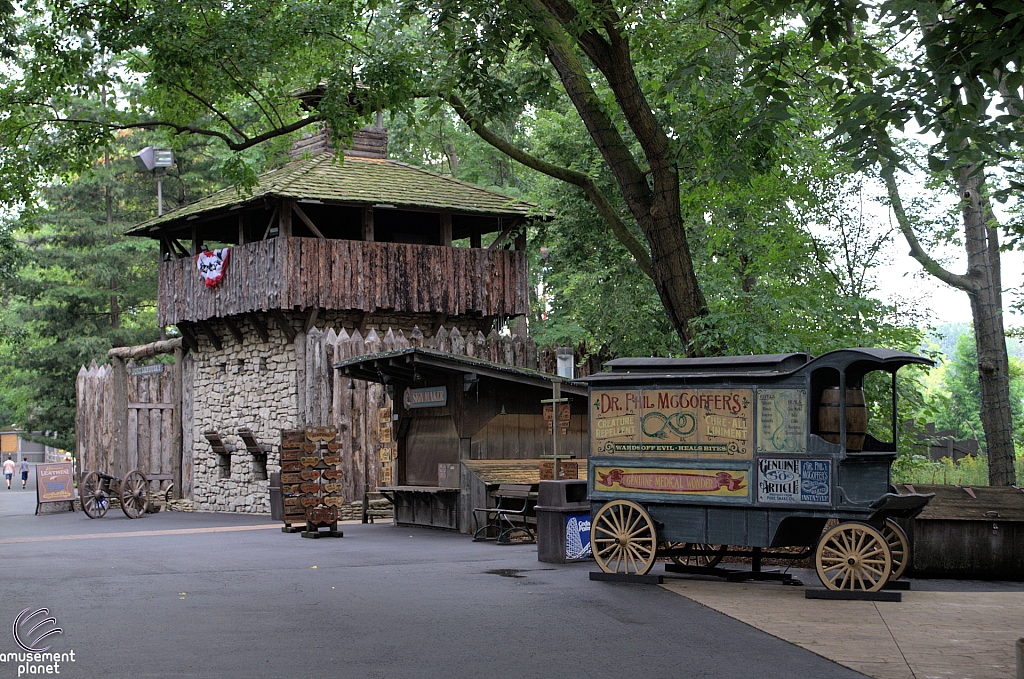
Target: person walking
[
  {"x": 8, "y": 470},
  {"x": 24, "y": 473}
]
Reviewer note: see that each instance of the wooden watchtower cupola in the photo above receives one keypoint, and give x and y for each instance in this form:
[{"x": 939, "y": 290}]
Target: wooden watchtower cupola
[{"x": 372, "y": 239}]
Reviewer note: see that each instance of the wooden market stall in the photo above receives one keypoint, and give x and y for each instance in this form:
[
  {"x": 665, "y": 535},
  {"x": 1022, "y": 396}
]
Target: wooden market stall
[{"x": 463, "y": 426}]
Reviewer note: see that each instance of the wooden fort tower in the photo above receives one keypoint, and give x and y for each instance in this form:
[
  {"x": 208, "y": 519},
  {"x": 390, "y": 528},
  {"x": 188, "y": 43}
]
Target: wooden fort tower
[{"x": 321, "y": 253}]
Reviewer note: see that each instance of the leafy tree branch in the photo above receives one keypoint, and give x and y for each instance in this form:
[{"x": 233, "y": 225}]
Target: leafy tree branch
[{"x": 603, "y": 205}]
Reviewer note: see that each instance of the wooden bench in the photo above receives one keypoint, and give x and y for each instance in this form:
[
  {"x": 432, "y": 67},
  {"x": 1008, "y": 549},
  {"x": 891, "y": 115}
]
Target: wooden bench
[
  {"x": 512, "y": 514},
  {"x": 370, "y": 513}
]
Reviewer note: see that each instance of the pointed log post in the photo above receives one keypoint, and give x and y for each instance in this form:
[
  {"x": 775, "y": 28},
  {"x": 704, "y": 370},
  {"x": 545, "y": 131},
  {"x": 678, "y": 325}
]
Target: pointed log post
[
  {"x": 457, "y": 345},
  {"x": 176, "y": 423},
  {"x": 441, "y": 336},
  {"x": 119, "y": 405}
]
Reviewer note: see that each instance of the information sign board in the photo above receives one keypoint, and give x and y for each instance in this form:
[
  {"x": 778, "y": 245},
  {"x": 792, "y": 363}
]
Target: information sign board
[{"x": 53, "y": 483}]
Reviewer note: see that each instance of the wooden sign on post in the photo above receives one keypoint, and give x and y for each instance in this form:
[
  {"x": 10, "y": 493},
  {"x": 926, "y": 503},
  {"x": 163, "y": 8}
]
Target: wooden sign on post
[
  {"x": 385, "y": 447},
  {"x": 309, "y": 481},
  {"x": 564, "y": 417}
]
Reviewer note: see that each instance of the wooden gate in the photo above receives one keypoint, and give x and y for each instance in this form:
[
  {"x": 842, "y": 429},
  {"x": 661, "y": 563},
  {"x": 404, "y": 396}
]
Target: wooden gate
[
  {"x": 150, "y": 441},
  {"x": 129, "y": 415}
]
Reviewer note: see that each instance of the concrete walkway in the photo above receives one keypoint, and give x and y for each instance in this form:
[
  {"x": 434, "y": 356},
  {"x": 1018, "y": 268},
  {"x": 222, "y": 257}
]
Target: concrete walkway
[{"x": 930, "y": 635}]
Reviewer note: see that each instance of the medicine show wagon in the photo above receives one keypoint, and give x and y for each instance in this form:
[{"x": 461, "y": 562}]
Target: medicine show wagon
[{"x": 690, "y": 456}]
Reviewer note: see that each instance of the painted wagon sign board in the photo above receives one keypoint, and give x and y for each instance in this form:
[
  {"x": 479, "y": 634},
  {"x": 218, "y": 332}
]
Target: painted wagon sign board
[
  {"x": 781, "y": 420},
  {"x": 692, "y": 423},
  {"x": 703, "y": 482},
  {"x": 794, "y": 481}
]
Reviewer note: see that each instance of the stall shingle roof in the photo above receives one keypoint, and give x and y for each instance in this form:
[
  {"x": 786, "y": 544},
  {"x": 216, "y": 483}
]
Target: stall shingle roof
[
  {"x": 370, "y": 366},
  {"x": 358, "y": 180}
]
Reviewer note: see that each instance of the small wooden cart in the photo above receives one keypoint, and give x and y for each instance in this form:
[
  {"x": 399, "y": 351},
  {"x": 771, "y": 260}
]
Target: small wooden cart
[
  {"x": 691, "y": 456},
  {"x": 97, "y": 488}
]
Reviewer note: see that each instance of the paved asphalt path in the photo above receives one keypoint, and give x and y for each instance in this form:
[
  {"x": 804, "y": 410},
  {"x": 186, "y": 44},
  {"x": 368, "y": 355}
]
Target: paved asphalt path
[{"x": 383, "y": 601}]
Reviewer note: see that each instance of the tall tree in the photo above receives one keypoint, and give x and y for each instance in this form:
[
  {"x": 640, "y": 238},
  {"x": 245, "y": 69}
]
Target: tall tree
[
  {"x": 953, "y": 70},
  {"x": 228, "y": 71},
  {"x": 82, "y": 287}
]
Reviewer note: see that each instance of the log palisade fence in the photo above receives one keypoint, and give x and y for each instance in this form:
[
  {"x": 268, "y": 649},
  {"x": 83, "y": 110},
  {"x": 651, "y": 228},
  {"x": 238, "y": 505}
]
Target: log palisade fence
[{"x": 144, "y": 415}]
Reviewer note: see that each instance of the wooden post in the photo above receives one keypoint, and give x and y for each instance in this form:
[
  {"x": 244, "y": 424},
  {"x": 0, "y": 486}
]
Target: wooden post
[
  {"x": 474, "y": 240},
  {"x": 119, "y": 444},
  {"x": 520, "y": 240},
  {"x": 195, "y": 241},
  {"x": 176, "y": 423},
  {"x": 241, "y": 229},
  {"x": 556, "y": 393},
  {"x": 284, "y": 225},
  {"x": 446, "y": 229},
  {"x": 368, "y": 224}
]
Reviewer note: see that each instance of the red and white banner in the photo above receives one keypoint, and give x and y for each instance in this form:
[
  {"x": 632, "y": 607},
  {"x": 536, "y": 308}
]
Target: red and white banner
[{"x": 211, "y": 265}]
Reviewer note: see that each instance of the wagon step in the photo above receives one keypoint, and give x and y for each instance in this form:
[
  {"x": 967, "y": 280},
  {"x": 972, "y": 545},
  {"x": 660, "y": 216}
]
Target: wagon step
[
  {"x": 626, "y": 577},
  {"x": 733, "y": 575},
  {"x": 852, "y": 595}
]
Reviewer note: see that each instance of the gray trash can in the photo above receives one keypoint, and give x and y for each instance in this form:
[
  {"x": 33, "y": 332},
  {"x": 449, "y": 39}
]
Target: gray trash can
[
  {"x": 276, "y": 503},
  {"x": 563, "y": 522}
]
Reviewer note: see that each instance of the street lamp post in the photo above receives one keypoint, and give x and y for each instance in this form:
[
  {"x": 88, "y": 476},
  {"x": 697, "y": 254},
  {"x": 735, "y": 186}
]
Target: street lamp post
[{"x": 155, "y": 160}]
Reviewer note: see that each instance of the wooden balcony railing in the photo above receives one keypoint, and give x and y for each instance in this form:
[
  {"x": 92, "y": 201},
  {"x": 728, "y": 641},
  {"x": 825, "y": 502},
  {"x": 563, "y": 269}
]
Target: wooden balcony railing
[{"x": 289, "y": 273}]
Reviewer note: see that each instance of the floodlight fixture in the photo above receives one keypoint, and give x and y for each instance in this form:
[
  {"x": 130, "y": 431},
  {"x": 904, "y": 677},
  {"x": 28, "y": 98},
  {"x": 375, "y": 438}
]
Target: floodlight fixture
[{"x": 152, "y": 158}]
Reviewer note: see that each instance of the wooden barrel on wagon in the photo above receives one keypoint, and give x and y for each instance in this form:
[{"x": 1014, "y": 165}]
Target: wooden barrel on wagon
[{"x": 856, "y": 417}]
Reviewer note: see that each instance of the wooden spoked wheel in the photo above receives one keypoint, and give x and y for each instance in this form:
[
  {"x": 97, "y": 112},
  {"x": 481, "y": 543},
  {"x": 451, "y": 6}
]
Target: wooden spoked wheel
[
  {"x": 623, "y": 538},
  {"x": 94, "y": 499},
  {"x": 134, "y": 494},
  {"x": 853, "y": 556},
  {"x": 698, "y": 555},
  {"x": 899, "y": 547}
]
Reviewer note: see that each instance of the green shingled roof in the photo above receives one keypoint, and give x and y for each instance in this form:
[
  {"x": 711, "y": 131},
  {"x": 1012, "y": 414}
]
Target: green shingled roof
[{"x": 359, "y": 180}]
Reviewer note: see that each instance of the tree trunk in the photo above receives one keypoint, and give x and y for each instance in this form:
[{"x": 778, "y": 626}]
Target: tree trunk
[
  {"x": 654, "y": 205},
  {"x": 982, "y": 243}
]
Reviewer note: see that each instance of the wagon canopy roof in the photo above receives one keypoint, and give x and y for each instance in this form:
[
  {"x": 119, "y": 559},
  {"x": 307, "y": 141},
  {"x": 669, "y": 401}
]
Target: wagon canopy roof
[
  {"x": 401, "y": 363},
  {"x": 765, "y": 365},
  {"x": 357, "y": 181}
]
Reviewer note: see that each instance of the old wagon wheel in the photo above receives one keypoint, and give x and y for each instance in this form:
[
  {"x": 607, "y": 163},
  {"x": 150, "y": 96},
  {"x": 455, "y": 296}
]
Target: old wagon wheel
[
  {"x": 94, "y": 499},
  {"x": 698, "y": 554},
  {"x": 853, "y": 556},
  {"x": 899, "y": 547},
  {"x": 623, "y": 538},
  {"x": 134, "y": 494}
]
